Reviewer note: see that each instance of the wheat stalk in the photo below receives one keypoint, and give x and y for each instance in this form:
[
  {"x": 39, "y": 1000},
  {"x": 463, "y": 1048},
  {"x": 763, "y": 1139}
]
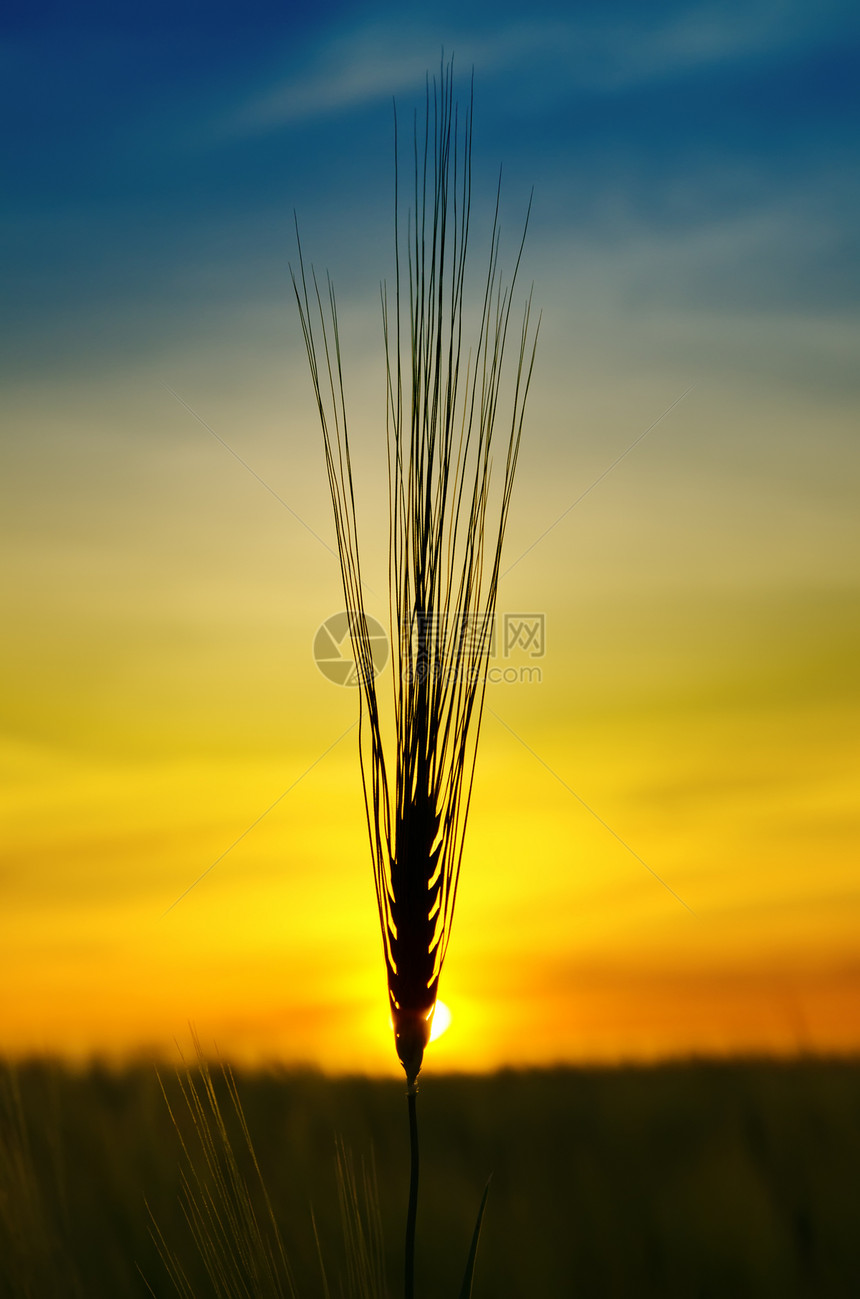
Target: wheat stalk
[{"x": 445, "y": 548}]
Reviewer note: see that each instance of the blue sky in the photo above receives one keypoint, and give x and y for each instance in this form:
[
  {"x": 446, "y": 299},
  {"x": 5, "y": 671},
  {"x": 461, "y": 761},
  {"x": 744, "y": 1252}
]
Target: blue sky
[{"x": 155, "y": 157}]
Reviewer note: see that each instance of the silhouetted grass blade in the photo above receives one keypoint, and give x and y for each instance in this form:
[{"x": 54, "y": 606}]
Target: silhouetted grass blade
[{"x": 466, "y": 1288}]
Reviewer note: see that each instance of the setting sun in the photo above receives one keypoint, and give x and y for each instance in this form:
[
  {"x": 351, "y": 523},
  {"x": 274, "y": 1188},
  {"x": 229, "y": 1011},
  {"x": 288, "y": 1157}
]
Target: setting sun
[{"x": 441, "y": 1020}]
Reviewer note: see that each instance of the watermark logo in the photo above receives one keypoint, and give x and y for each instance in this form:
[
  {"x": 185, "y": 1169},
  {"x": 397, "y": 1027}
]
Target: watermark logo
[
  {"x": 333, "y": 648},
  {"x": 438, "y": 646},
  {"x": 526, "y": 632}
]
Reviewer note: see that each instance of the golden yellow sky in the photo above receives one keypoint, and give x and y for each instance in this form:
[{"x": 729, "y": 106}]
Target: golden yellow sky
[{"x": 698, "y": 695}]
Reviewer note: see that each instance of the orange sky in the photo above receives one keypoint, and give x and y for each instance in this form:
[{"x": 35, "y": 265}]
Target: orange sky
[{"x": 697, "y": 694}]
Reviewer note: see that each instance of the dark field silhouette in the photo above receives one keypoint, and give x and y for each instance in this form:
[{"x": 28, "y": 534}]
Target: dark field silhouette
[{"x": 686, "y": 1180}]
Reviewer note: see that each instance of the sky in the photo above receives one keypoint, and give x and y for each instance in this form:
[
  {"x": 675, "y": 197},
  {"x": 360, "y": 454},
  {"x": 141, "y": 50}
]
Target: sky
[{"x": 663, "y": 846}]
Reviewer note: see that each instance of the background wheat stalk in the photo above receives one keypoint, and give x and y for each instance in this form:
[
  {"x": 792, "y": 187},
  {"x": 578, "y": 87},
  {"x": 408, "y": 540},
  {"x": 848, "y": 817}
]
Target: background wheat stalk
[{"x": 446, "y": 531}]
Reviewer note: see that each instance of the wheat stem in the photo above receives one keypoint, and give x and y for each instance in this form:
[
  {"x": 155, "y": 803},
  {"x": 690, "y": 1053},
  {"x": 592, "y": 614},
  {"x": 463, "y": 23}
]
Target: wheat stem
[
  {"x": 446, "y": 531},
  {"x": 412, "y": 1210},
  {"x": 445, "y": 542}
]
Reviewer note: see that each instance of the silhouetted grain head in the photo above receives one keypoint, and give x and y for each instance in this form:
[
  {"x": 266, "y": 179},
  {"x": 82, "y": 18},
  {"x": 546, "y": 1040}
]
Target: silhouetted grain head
[{"x": 445, "y": 542}]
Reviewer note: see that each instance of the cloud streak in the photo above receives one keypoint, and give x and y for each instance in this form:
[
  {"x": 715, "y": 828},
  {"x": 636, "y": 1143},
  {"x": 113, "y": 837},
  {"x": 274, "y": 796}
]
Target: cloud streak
[{"x": 615, "y": 52}]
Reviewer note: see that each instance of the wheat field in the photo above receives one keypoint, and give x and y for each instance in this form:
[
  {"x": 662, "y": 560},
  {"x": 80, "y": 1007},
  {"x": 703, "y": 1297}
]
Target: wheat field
[{"x": 697, "y": 1179}]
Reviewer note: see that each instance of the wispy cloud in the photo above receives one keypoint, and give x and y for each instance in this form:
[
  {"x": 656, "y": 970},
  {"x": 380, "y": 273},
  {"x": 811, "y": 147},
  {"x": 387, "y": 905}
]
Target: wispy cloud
[
  {"x": 345, "y": 75},
  {"x": 610, "y": 52},
  {"x": 647, "y": 47},
  {"x": 371, "y": 63}
]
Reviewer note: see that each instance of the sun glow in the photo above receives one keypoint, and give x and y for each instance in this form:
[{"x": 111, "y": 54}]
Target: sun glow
[{"x": 441, "y": 1020}]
